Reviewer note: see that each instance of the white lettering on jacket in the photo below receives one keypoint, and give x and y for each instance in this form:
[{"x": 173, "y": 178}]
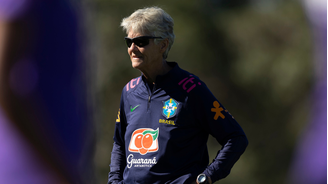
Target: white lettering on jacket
[{"x": 140, "y": 162}]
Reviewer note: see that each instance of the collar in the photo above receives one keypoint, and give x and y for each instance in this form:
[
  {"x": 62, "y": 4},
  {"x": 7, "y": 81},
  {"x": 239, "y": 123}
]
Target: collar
[{"x": 162, "y": 79}]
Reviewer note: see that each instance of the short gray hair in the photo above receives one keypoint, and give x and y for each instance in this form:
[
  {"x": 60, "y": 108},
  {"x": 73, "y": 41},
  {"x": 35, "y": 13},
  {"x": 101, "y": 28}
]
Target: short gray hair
[{"x": 151, "y": 20}]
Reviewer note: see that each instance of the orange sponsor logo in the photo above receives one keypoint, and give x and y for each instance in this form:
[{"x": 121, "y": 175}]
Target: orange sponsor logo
[{"x": 144, "y": 140}]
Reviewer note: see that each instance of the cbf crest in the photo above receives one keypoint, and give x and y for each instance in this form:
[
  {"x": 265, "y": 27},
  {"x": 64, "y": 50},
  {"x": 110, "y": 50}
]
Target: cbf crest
[{"x": 170, "y": 108}]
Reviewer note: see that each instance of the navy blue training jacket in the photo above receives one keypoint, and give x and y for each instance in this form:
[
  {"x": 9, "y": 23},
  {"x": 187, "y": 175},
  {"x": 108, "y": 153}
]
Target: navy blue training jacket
[{"x": 161, "y": 132}]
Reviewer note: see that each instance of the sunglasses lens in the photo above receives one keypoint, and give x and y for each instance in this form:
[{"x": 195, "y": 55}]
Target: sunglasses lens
[
  {"x": 141, "y": 42},
  {"x": 128, "y": 42}
]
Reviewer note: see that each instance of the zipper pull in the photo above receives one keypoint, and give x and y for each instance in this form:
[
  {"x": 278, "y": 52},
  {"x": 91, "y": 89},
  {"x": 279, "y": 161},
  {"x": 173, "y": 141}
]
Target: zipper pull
[{"x": 149, "y": 98}]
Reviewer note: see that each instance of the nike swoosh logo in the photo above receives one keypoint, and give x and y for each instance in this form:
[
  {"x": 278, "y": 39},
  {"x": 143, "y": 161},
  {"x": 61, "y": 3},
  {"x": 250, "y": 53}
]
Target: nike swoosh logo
[{"x": 132, "y": 109}]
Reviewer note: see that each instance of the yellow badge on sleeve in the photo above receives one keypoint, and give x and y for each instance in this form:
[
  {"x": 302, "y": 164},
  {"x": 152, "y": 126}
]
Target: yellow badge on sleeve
[{"x": 118, "y": 120}]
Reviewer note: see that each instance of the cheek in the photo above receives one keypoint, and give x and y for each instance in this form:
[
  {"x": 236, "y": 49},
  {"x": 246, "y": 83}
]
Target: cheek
[{"x": 129, "y": 51}]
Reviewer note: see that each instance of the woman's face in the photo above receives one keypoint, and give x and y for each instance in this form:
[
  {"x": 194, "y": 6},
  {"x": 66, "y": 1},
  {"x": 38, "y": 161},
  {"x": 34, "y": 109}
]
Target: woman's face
[{"x": 145, "y": 58}]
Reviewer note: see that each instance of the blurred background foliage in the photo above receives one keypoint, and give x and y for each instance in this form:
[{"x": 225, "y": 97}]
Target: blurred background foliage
[{"x": 255, "y": 56}]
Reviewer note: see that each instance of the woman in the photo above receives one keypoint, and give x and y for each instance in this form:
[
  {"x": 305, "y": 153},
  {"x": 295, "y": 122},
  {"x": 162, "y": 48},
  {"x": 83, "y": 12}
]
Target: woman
[{"x": 167, "y": 114}]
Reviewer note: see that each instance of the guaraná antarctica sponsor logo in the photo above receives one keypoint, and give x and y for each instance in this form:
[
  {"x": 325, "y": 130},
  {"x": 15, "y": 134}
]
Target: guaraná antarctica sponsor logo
[
  {"x": 143, "y": 141},
  {"x": 140, "y": 162}
]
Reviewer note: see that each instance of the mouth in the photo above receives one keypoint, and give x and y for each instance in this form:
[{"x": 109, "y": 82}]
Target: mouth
[{"x": 136, "y": 57}]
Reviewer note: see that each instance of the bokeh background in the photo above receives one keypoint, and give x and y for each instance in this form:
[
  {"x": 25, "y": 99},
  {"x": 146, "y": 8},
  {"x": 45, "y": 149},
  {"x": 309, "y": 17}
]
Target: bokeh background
[
  {"x": 63, "y": 64},
  {"x": 257, "y": 57}
]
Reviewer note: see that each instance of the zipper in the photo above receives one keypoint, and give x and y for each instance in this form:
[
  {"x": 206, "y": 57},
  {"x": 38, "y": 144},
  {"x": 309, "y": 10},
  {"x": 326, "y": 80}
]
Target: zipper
[
  {"x": 148, "y": 104},
  {"x": 149, "y": 97}
]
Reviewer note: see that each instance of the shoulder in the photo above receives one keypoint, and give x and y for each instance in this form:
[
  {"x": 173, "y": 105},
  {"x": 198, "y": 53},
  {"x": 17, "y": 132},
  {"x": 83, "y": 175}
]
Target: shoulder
[
  {"x": 132, "y": 84},
  {"x": 196, "y": 91},
  {"x": 190, "y": 83}
]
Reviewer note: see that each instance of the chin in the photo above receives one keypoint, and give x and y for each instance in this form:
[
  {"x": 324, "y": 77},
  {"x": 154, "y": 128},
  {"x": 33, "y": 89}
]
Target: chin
[{"x": 136, "y": 64}]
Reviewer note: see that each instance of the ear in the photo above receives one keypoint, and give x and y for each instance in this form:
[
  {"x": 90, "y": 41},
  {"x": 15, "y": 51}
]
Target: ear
[{"x": 164, "y": 44}]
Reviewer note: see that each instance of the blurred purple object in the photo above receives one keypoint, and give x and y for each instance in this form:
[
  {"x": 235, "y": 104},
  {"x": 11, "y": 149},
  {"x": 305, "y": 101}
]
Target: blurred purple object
[
  {"x": 23, "y": 77},
  {"x": 45, "y": 71},
  {"x": 309, "y": 164},
  {"x": 12, "y": 8},
  {"x": 19, "y": 163}
]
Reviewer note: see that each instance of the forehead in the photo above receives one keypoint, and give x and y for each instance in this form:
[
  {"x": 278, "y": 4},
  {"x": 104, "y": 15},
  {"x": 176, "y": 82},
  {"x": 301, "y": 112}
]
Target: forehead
[{"x": 133, "y": 33}]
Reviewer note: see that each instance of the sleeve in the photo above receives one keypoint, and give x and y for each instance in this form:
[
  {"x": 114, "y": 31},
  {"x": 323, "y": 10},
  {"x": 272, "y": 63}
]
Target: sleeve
[
  {"x": 118, "y": 161},
  {"x": 218, "y": 122}
]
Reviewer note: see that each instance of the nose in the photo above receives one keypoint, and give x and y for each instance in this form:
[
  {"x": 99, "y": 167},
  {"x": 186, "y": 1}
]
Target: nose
[{"x": 133, "y": 47}]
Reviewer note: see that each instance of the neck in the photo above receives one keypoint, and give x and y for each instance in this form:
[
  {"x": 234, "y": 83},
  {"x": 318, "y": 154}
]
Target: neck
[{"x": 154, "y": 72}]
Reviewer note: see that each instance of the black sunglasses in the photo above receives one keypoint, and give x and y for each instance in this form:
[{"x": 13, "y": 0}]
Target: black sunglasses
[{"x": 140, "y": 41}]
